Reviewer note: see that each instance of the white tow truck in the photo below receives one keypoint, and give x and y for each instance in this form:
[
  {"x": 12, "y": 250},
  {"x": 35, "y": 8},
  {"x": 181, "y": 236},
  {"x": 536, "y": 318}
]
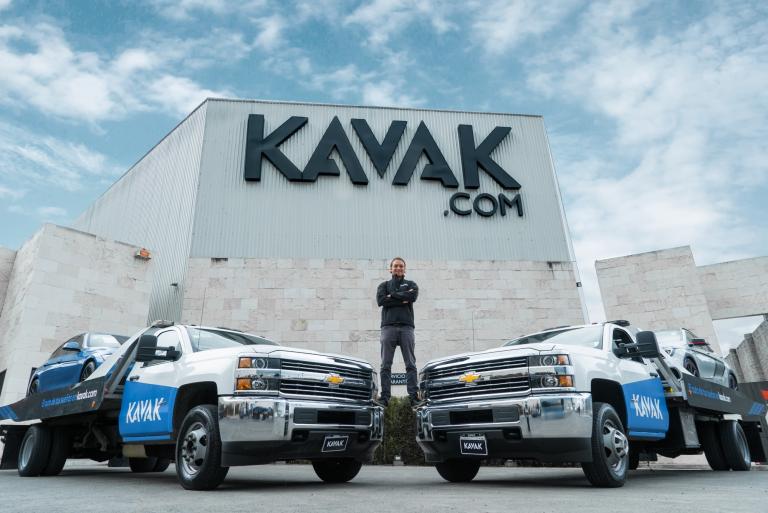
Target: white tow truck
[
  {"x": 208, "y": 399},
  {"x": 597, "y": 395}
]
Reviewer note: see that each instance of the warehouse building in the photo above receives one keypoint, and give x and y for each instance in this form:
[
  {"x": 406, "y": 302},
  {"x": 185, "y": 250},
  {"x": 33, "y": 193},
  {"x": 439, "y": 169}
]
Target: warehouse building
[{"x": 281, "y": 219}]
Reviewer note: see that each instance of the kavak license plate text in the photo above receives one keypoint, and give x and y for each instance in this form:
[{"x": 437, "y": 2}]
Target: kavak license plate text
[
  {"x": 335, "y": 443},
  {"x": 473, "y": 445}
]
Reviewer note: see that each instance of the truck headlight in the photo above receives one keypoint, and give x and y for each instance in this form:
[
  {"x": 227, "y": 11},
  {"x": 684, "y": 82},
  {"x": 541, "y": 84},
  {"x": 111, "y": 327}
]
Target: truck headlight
[
  {"x": 551, "y": 381},
  {"x": 258, "y": 374},
  {"x": 548, "y": 360}
]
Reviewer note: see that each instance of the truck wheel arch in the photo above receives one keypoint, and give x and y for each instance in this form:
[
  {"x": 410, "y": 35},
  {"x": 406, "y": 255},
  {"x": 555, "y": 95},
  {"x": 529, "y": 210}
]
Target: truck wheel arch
[
  {"x": 611, "y": 392},
  {"x": 191, "y": 395}
]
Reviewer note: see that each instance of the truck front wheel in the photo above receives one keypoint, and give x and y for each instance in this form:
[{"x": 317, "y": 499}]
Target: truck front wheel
[
  {"x": 198, "y": 450},
  {"x": 336, "y": 470},
  {"x": 458, "y": 470},
  {"x": 610, "y": 449}
]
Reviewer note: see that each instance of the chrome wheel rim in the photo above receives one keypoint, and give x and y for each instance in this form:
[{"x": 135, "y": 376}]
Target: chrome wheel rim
[
  {"x": 194, "y": 448},
  {"x": 26, "y": 452},
  {"x": 615, "y": 447}
]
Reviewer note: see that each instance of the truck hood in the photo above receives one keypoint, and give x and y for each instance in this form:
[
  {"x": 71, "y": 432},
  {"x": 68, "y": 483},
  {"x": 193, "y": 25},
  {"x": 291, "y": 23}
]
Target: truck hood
[
  {"x": 498, "y": 352},
  {"x": 295, "y": 353}
]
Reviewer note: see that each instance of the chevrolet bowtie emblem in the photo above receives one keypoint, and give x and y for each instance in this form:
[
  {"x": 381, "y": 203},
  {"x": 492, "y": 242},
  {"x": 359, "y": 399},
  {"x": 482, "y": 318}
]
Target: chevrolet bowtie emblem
[
  {"x": 334, "y": 379},
  {"x": 469, "y": 377}
]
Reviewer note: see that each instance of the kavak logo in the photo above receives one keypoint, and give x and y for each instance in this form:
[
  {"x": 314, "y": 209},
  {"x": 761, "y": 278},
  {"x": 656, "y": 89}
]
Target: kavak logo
[
  {"x": 143, "y": 411},
  {"x": 474, "y": 157},
  {"x": 648, "y": 407}
]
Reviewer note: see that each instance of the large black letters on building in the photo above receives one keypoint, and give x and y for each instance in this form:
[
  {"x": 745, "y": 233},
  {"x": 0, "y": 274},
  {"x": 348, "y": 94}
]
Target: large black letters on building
[
  {"x": 321, "y": 163},
  {"x": 380, "y": 154},
  {"x": 473, "y": 157},
  {"x": 256, "y": 146},
  {"x": 437, "y": 169}
]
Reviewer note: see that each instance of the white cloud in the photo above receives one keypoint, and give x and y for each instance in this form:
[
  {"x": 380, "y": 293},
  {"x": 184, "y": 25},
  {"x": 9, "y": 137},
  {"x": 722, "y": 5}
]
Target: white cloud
[
  {"x": 183, "y": 10},
  {"x": 688, "y": 112},
  {"x": 180, "y": 94},
  {"x": 14, "y": 194},
  {"x": 4, "y": 4},
  {"x": 41, "y": 69},
  {"x": 385, "y": 93},
  {"x": 51, "y": 213},
  {"x": 30, "y": 160},
  {"x": 500, "y": 25},
  {"x": 271, "y": 32},
  {"x": 384, "y": 19}
]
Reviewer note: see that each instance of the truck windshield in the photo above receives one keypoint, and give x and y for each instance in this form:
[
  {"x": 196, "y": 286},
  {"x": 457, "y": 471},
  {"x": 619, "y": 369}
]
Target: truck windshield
[
  {"x": 589, "y": 336},
  {"x": 204, "y": 339}
]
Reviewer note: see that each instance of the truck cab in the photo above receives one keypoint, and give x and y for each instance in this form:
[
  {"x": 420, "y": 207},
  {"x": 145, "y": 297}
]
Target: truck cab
[
  {"x": 590, "y": 394},
  {"x": 208, "y": 399}
]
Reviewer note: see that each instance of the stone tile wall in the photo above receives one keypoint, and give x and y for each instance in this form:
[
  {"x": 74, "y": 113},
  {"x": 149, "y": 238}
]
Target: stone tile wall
[
  {"x": 330, "y": 305},
  {"x": 7, "y": 257},
  {"x": 736, "y": 289},
  {"x": 657, "y": 290},
  {"x": 66, "y": 282},
  {"x": 750, "y": 358}
]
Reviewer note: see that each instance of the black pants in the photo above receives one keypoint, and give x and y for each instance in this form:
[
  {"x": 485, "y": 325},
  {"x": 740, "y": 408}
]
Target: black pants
[{"x": 391, "y": 337}]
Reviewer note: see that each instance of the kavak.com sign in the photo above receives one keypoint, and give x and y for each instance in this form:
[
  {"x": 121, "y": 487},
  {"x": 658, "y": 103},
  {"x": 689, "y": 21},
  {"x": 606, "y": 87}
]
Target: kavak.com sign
[{"x": 474, "y": 157}]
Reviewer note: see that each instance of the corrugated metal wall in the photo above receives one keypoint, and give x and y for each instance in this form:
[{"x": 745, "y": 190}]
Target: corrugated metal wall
[
  {"x": 152, "y": 205},
  {"x": 333, "y": 218}
]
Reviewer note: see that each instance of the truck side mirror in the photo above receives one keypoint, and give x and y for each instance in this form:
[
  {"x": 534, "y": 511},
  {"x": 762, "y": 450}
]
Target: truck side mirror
[
  {"x": 148, "y": 350},
  {"x": 647, "y": 346}
]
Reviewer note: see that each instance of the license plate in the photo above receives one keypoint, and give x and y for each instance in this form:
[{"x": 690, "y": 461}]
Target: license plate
[
  {"x": 473, "y": 445},
  {"x": 335, "y": 443}
]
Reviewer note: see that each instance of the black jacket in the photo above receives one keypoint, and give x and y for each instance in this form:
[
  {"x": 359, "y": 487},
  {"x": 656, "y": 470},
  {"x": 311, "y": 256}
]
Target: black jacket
[{"x": 398, "y": 308}]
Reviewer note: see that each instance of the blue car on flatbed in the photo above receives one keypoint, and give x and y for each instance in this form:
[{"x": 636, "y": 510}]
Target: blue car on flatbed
[{"x": 74, "y": 361}]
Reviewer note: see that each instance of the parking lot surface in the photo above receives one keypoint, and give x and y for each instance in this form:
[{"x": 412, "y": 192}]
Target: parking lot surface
[{"x": 289, "y": 488}]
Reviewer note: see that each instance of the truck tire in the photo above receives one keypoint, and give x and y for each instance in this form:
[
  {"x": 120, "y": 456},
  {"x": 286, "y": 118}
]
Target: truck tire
[
  {"x": 735, "y": 446},
  {"x": 198, "y": 450},
  {"x": 336, "y": 470},
  {"x": 710, "y": 442},
  {"x": 61, "y": 445},
  {"x": 458, "y": 470},
  {"x": 34, "y": 451},
  {"x": 142, "y": 465},
  {"x": 162, "y": 465},
  {"x": 610, "y": 449}
]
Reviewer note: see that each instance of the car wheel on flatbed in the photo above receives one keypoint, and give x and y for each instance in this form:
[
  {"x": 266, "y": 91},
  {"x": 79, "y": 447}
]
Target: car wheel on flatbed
[
  {"x": 198, "y": 450},
  {"x": 458, "y": 470},
  {"x": 610, "y": 449},
  {"x": 338, "y": 470},
  {"x": 88, "y": 369},
  {"x": 34, "y": 451}
]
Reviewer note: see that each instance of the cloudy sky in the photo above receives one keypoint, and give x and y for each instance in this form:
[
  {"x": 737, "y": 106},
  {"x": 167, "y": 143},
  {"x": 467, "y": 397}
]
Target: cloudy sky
[{"x": 657, "y": 112}]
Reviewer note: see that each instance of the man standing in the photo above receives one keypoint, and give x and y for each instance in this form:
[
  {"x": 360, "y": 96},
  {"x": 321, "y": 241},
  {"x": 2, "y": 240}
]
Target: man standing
[{"x": 396, "y": 297}]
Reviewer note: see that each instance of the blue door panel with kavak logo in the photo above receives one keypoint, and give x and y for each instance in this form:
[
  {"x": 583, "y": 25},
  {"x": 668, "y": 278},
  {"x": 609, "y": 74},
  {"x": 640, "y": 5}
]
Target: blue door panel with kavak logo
[
  {"x": 647, "y": 414},
  {"x": 147, "y": 412}
]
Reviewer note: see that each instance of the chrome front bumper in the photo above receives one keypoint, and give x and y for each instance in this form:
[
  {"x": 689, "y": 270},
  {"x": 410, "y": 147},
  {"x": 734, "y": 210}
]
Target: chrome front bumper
[
  {"x": 546, "y": 416},
  {"x": 274, "y": 419}
]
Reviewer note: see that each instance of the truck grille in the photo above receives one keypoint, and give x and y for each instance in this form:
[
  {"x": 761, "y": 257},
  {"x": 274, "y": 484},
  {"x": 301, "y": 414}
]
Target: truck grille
[
  {"x": 493, "y": 386},
  {"x": 347, "y": 372},
  {"x": 309, "y": 388},
  {"x": 458, "y": 370}
]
